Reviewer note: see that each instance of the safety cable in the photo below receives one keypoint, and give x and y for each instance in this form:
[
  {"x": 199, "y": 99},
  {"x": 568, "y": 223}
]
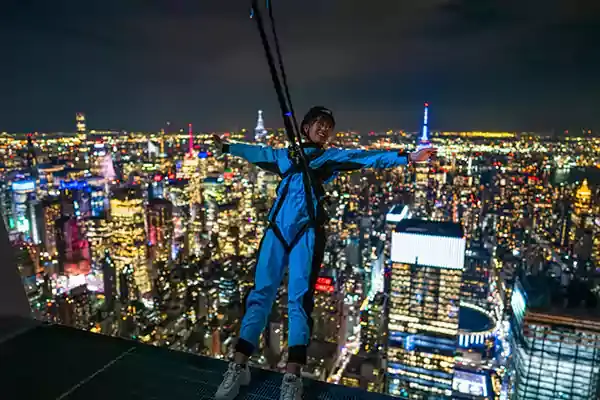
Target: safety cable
[
  {"x": 289, "y": 119},
  {"x": 298, "y": 133}
]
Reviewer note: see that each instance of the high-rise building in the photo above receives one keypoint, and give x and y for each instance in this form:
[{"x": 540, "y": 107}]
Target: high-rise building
[
  {"x": 24, "y": 208},
  {"x": 72, "y": 246},
  {"x": 129, "y": 235},
  {"x": 260, "y": 132},
  {"x": 98, "y": 233},
  {"x": 81, "y": 127},
  {"x": 427, "y": 265},
  {"x": 422, "y": 171},
  {"x": 160, "y": 230},
  {"x": 109, "y": 276},
  {"x": 477, "y": 276},
  {"x": 582, "y": 224},
  {"x": 374, "y": 325},
  {"x": 556, "y": 340},
  {"x": 50, "y": 210},
  {"x": 327, "y": 310}
]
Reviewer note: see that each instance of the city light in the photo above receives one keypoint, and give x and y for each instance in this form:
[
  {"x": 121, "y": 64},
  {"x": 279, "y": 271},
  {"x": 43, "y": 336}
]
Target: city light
[{"x": 467, "y": 275}]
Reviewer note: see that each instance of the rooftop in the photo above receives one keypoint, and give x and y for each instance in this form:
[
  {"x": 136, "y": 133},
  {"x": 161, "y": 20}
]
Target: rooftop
[
  {"x": 471, "y": 320},
  {"x": 432, "y": 228},
  {"x": 72, "y": 365},
  {"x": 546, "y": 294}
]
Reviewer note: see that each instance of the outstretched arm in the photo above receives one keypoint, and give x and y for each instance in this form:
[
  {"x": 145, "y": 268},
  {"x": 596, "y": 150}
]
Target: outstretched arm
[
  {"x": 262, "y": 156},
  {"x": 349, "y": 160},
  {"x": 255, "y": 154}
]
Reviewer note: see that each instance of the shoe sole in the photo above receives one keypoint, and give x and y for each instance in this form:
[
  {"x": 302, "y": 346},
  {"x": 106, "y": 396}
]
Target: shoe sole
[{"x": 229, "y": 397}]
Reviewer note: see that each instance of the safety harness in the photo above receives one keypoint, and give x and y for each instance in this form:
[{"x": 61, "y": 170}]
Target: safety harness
[{"x": 298, "y": 158}]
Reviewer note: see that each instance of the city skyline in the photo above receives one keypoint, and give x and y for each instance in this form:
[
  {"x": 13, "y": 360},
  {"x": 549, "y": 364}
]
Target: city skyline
[
  {"x": 431, "y": 273},
  {"x": 484, "y": 66}
]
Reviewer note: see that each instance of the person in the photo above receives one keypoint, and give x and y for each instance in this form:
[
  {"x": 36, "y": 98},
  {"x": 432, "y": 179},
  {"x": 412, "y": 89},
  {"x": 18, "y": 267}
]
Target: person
[{"x": 295, "y": 236}]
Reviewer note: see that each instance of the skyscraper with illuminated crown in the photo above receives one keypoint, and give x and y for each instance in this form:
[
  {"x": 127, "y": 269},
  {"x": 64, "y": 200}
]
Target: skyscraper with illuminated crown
[
  {"x": 260, "y": 132},
  {"x": 421, "y": 183}
]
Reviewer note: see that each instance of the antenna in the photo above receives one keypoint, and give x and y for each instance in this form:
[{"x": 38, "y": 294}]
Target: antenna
[
  {"x": 191, "y": 140},
  {"x": 424, "y": 139}
]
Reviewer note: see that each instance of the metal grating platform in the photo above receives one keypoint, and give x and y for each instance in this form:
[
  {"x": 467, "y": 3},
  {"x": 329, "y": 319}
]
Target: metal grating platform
[{"x": 59, "y": 363}]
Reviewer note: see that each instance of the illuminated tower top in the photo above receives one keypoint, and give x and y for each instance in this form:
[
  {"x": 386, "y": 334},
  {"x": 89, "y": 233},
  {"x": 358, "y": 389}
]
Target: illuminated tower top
[
  {"x": 424, "y": 139},
  {"x": 583, "y": 198},
  {"x": 80, "y": 121},
  {"x": 260, "y": 130},
  {"x": 191, "y": 139}
]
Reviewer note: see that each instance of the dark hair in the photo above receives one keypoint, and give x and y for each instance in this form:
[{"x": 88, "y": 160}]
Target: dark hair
[{"x": 317, "y": 113}]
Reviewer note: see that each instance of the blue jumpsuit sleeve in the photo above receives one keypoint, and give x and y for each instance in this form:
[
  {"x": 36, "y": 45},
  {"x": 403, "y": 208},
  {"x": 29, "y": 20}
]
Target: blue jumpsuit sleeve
[
  {"x": 262, "y": 156},
  {"x": 349, "y": 160}
]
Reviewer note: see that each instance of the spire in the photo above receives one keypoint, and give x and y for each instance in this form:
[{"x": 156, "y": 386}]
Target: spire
[
  {"x": 162, "y": 142},
  {"x": 191, "y": 141},
  {"x": 260, "y": 130},
  {"x": 424, "y": 139}
]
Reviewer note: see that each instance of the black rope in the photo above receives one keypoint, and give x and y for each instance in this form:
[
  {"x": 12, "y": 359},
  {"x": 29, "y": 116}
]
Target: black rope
[
  {"x": 289, "y": 120},
  {"x": 282, "y": 71}
]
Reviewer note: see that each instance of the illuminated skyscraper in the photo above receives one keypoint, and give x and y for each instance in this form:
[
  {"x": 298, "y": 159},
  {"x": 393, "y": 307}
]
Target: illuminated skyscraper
[
  {"x": 72, "y": 247},
  {"x": 427, "y": 266},
  {"x": 555, "y": 340},
  {"x": 23, "y": 209},
  {"x": 373, "y": 322},
  {"x": 160, "y": 230},
  {"x": 98, "y": 233},
  {"x": 581, "y": 234},
  {"x": 51, "y": 211},
  {"x": 81, "y": 127},
  {"x": 424, "y": 142},
  {"x": 581, "y": 217},
  {"x": 422, "y": 178},
  {"x": 260, "y": 132},
  {"x": 327, "y": 310},
  {"x": 129, "y": 236}
]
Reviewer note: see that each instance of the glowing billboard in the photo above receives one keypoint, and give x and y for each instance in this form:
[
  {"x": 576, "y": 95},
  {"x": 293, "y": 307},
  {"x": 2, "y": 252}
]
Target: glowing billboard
[{"x": 428, "y": 250}]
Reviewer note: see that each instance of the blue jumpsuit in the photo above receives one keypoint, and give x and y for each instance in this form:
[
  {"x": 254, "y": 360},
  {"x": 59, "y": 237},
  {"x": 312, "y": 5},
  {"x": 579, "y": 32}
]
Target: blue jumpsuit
[{"x": 293, "y": 238}]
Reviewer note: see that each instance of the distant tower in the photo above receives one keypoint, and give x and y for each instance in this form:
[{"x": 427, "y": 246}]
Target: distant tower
[
  {"x": 424, "y": 139},
  {"x": 191, "y": 139},
  {"x": 81, "y": 128},
  {"x": 422, "y": 177},
  {"x": 260, "y": 130},
  {"x": 162, "y": 142},
  {"x": 31, "y": 156}
]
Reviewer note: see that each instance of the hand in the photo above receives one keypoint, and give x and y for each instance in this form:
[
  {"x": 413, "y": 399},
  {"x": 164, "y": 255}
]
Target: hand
[{"x": 423, "y": 155}]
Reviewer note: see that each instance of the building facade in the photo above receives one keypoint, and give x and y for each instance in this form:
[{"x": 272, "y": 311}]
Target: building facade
[{"x": 427, "y": 266}]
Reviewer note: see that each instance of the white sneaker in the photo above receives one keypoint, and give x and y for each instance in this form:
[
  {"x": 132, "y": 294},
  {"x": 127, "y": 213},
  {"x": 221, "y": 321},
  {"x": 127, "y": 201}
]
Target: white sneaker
[
  {"x": 235, "y": 376},
  {"x": 291, "y": 387}
]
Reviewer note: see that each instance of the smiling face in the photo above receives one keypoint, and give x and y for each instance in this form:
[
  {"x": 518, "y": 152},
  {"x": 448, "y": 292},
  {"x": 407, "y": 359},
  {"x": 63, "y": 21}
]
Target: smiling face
[{"x": 319, "y": 131}]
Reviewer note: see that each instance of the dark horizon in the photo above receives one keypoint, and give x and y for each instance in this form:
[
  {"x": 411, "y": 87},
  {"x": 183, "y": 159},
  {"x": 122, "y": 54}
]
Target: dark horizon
[{"x": 483, "y": 65}]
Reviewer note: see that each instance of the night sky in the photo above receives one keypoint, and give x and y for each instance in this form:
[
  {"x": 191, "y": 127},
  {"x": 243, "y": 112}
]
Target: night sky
[{"x": 133, "y": 65}]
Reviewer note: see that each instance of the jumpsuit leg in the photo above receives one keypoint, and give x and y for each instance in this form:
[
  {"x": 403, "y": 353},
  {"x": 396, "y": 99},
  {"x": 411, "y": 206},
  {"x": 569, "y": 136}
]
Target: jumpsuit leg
[
  {"x": 270, "y": 264},
  {"x": 305, "y": 262}
]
